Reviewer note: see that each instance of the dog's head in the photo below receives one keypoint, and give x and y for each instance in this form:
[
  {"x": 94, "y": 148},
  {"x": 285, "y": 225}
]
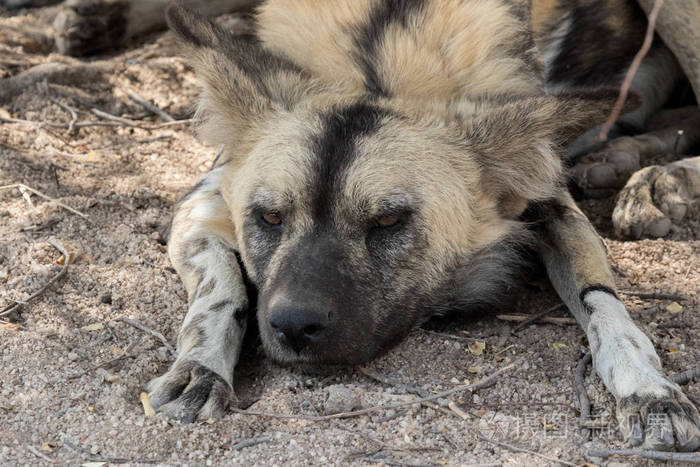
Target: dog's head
[{"x": 353, "y": 212}]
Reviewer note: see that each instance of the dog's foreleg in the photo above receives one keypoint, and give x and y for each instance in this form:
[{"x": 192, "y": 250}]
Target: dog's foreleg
[
  {"x": 651, "y": 409},
  {"x": 201, "y": 247}
]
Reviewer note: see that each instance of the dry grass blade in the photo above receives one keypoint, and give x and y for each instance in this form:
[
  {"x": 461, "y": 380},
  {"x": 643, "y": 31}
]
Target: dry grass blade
[{"x": 17, "y": 305}]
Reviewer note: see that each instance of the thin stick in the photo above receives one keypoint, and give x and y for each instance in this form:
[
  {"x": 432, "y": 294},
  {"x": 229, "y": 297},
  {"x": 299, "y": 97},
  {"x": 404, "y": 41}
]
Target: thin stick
[
  {"x": 631, "y": 72},
  {"x": 536, "y": 317},
  {"x": 384, "y": 380},
  {"x": 691, "y": 457},
  {"x": 84, "y": 124},
  {"x": 483, "y": 383},
  {"x": 17, "y": 305},
  {"x": 517, "y": 449},
  {"x": 150, "y": 107},
  {"x": 40, "y": 455},
  {"x": 654, "y": 295},
  {"x": 156, "y": 334},
  {"x": 449, "y": 336},
  {"x": 580, "y": 387},
  {"x": 687, "y": 376},
  {"x": 543, "y": 319},
  {"x": 70, "y": 110},
  {"x": 22, "y": 186},
  {"x": 250, "y": 442}
]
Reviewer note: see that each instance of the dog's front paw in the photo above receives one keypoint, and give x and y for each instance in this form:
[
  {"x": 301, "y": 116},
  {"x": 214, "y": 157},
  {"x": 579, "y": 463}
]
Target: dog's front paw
[
  {"x": 88, "y": 26},
  {"x": 665, "y": 420},
  {"x": 190, "y": 391}
]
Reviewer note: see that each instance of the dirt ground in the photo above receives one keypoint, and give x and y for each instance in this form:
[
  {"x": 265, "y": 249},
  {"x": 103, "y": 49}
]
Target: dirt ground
[{"x": 71, "y": 371}]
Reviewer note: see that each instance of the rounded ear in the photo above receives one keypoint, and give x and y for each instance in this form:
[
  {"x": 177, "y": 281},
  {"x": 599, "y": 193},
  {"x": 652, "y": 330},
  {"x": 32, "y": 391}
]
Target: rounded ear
[
  {"x": 519, "y": 145},
  {"x": 241, "y": 81}
]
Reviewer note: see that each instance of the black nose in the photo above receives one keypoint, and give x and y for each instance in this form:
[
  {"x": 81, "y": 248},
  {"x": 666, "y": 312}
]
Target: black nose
[{"x": 296, "y": 327}]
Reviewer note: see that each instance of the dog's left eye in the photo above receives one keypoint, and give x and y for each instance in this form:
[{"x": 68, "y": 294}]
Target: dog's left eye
[{"x": 387, "y": 221}]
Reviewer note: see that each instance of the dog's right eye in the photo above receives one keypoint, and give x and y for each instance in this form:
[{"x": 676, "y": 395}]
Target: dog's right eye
[{"x": 272, "y": 218}]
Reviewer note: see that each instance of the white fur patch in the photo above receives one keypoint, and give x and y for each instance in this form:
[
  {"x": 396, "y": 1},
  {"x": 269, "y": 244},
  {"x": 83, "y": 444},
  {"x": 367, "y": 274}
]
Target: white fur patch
[{"x": 623, "y": 356}]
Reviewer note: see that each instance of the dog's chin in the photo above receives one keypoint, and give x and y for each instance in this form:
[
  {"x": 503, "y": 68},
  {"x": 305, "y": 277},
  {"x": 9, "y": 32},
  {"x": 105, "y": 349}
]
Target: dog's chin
[{"x": 314, "y": 357}]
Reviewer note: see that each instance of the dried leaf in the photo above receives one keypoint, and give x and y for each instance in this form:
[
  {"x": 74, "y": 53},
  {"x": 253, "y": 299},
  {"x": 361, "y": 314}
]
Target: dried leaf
[
  {"x": 10, "y": 326},
  {"x": 60, "y": 261},
  {"x": 558, "y": 345},
  {"x": 474, "y": 369},
  {"x": 146, "y": 403},
  {"x": 93, "y": 327},
  {"x": 674, "y": 307},
  {"x": 477, "y": 347},
  {"x": 672, "y": 349}
]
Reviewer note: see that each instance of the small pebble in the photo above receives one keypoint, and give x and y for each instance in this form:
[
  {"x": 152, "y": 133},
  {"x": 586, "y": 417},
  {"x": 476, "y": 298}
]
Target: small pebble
[
  {"x": 341, "y": 399},
  {"x": 72, "y": 356},
  {"x": 106, "y": 298}
]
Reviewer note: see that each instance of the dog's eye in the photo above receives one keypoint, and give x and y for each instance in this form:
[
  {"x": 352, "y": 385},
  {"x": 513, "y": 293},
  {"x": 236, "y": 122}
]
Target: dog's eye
[
  {"x": 387, "y": 221},
  {"x": 272, "y": 218}
]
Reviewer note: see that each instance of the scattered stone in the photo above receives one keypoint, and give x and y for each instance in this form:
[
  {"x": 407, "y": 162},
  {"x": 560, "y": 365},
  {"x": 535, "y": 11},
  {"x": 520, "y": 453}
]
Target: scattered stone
[
  {"x": 341, "y": 399},
  {"x": 106, "y": 299}
]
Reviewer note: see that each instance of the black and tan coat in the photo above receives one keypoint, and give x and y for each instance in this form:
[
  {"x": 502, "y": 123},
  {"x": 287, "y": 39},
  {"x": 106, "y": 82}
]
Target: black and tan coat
[{"x": 385, "y": 160}]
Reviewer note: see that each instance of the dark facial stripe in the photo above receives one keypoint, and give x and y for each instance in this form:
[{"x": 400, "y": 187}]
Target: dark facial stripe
[
  {"x": 335, "y": 148},
  {"x": 369, "y": 37}
]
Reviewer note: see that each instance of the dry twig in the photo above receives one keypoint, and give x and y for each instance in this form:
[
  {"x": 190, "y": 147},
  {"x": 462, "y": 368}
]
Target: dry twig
[
  {"x": 529, "y": 319},
  {"x": 40, "y": 454},
  {"x": 384, "y": 380},
  {"x": 21, "y": 186},
  {"x": 156, "y": 334},
  {"x": 690, "y": 457},
  {"x": 449, "y": 336},
  {"x": 517, "y": 449},
  {"x": 17, "y": 305},
  {"x": 245, "y": 443},
  {"x": 150, "y": 107},
  {"x": 655, "y": 295},
  {"x": 631, "y": 72},
  {"x": 536, "y": 317},
  {"x": 580, "y": 387},
  {"x": 483, "y": 383}
]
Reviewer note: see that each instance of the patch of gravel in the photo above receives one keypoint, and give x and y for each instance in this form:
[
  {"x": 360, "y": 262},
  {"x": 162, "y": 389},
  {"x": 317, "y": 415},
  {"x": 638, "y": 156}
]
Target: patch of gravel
[{"x": 54, "y": 402}]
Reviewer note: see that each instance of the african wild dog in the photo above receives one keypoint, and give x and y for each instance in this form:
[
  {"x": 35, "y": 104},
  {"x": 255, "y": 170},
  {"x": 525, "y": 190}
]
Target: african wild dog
[{"x": 384, "y": 161}]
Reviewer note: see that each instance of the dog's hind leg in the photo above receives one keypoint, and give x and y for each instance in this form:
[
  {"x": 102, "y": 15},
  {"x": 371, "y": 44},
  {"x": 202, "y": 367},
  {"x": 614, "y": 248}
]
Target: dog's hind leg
[
  {"x": 651, "y": 409},
  {"x": 201, "y": 247}
]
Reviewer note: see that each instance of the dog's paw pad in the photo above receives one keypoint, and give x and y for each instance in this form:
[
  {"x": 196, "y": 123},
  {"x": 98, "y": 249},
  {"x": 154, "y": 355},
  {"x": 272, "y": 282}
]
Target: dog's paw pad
[
  {"x": 189, "y": 391},
  {"x": 660, "y": 422}
]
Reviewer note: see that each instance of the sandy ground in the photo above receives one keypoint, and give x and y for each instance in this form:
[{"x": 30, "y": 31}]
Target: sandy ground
[{"x": 56, "y": 406}]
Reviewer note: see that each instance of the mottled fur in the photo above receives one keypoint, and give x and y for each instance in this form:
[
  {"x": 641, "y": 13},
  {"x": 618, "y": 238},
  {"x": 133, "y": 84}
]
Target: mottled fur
[{"x": 384, "y": 161}]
